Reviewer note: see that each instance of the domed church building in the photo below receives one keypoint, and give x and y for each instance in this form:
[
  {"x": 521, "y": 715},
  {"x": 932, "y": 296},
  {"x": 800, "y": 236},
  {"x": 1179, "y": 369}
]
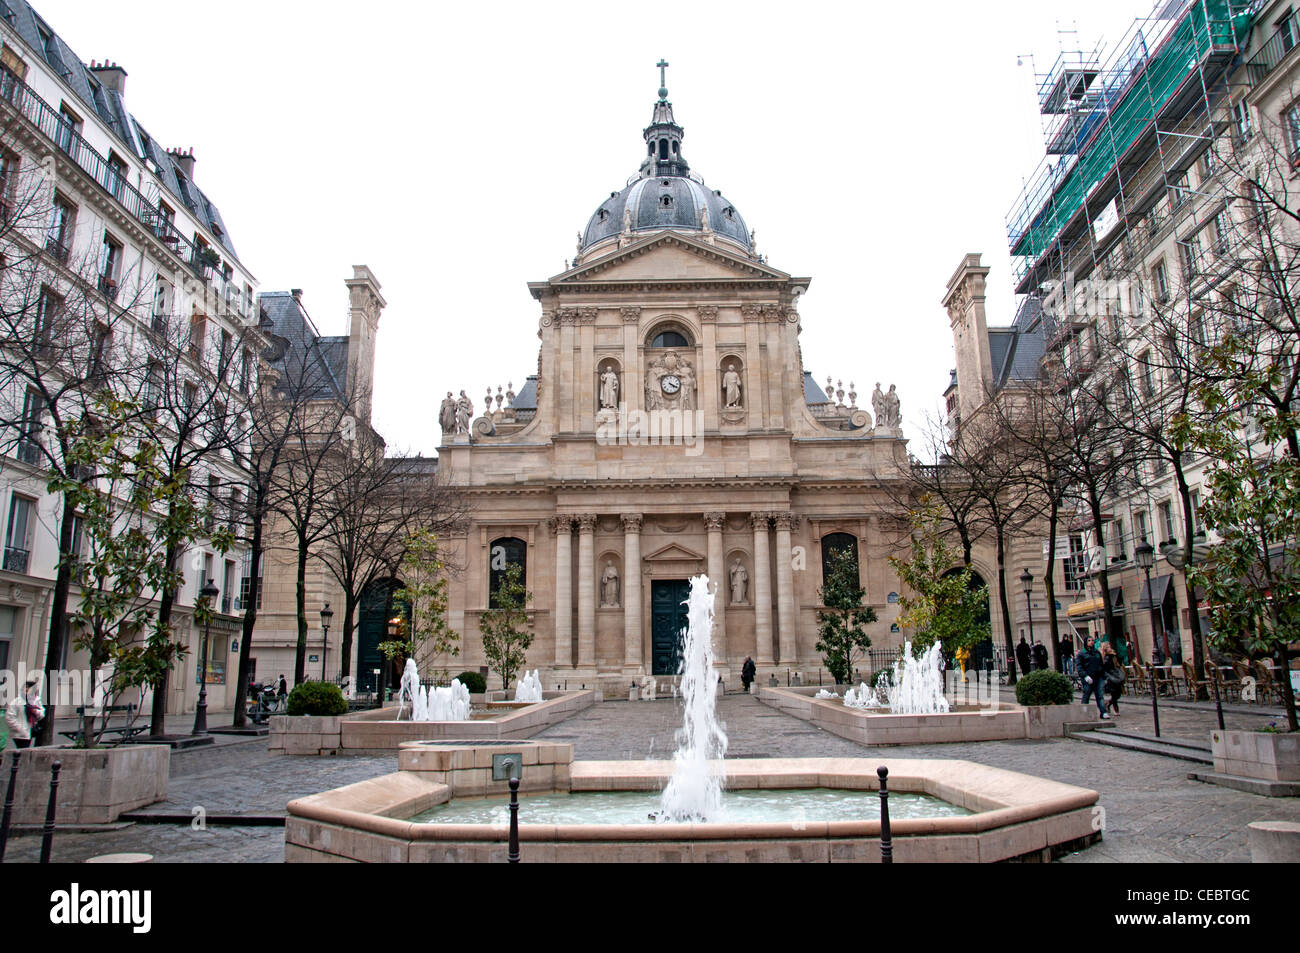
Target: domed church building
[{"x": 671, "y": 430}]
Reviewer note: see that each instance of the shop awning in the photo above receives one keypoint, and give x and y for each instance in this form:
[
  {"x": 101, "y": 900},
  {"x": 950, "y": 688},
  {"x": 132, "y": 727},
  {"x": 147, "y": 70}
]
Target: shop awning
[
  {"x": 1096, "y": 608},
  {"x": 1160, "y": 585}
]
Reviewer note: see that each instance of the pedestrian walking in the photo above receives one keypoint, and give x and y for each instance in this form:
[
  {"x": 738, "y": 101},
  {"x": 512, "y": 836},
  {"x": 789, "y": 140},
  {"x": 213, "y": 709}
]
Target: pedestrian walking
[
  {"x": 23, "y": 713},
  {"x": 1040, "y": 656},
  {"x": 1024, "y": 656},
  {"x": 1089, "y": 665},
  {"x": 282, "y": 694},
  {"x": 1112, "y": 674},
  {"x": 1067, "y": 653},
  {"x": 747, "y": 672}
]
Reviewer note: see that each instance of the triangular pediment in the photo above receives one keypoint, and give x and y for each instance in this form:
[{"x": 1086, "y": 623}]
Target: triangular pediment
[
  {"x": 671, "y": 256},
  {"x": 673, "y": 552}
]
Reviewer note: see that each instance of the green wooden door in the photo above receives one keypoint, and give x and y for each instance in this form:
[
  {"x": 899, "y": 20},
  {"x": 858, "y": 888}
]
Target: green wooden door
[{"x": 667, "y": 624}]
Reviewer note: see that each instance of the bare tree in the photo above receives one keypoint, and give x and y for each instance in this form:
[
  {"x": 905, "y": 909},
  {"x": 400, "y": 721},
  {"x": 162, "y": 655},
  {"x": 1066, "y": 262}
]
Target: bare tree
[{"x": 375, "y": 505}]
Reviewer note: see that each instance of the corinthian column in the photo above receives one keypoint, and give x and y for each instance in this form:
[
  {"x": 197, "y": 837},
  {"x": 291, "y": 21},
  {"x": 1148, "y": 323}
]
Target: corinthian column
[
  {"x": 587, "y": 591},
  {"x": 762, "y": 590},
  {"x": 714, "y": 523},
  {"x": 785, "y": 607},
  {"x": 562, "y": 527},
  {"x": 632, "y": 657}
]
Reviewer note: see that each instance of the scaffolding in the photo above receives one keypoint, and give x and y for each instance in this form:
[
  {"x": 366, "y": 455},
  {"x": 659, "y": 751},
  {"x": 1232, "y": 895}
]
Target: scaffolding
[{"x": 1120, "y": 134}]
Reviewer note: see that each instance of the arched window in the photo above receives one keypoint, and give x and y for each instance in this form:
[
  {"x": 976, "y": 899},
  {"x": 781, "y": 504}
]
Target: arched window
[
  {"x": 502, "y": 554},
  {"x": 837, "y": 543},
  {"x": 663, "y": 148},
  {"x": 670, "y": 339}
]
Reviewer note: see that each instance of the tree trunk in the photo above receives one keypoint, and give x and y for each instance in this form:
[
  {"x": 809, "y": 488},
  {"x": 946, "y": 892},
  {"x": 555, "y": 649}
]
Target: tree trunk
[
  {"x": 300, "y": 653},
  {"x": 1006, "y": 609},
  {"x": 166, "y": 600},
  {"x": 345, "y": 647},
  {"x": 1049, "y": 583},
  {"x": 250, "y": 620},
  {"x": 1103, "y": 575},
  {"x": 1193, "y": 604},
  {"x": 58, "y": 631}
]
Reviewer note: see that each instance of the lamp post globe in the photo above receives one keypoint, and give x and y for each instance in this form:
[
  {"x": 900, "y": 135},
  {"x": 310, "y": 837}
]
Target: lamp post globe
[{"x": 208, "y": 594}]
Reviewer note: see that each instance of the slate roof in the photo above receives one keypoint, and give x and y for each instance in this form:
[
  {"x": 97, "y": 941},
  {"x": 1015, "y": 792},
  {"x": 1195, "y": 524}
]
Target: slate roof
[
  {"x": 526, "y": 399},
  {"x": 812, "y": 393},
  {"x": 111, "y": 109},
  {"x": 1017, "y": 351},
  {"x": 306, "y": 360}
]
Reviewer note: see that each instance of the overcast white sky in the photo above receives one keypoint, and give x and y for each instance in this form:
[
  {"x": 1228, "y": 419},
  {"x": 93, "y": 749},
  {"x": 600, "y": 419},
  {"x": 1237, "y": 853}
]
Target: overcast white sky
[{"x": 457, "y": 149}]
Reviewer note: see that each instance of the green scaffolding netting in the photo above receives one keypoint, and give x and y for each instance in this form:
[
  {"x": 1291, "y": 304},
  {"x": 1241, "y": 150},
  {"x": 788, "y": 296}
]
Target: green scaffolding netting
[{"x": 1129, "y": 97}]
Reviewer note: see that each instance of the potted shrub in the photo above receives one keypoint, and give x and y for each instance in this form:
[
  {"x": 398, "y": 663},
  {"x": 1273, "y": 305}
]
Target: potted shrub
[
  {"x": 1048, "y": 699},
  {"x": 312, "y": 724}
]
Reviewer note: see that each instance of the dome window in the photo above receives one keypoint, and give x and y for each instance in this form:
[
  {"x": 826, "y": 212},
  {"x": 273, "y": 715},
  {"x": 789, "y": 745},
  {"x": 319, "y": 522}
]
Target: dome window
[
  {"x": 604, "y": 214},
  {"x": 729, "y": 211},
  {"x": 666, "y": 201},
  {"x": 663, "y": 148}
]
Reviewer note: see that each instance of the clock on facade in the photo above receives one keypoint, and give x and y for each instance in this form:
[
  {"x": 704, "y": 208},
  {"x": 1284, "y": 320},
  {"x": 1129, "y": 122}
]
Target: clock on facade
[{"x": 671, "y": 384}]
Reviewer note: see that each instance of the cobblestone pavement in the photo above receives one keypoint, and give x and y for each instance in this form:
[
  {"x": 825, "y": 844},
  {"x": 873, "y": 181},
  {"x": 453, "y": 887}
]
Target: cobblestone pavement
[{"x": 1153, "y": 813}]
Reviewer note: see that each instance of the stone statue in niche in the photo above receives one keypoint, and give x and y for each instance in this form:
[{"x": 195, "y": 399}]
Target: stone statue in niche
[
  {"x": 739, "y": 584},
  {"x": 609, "y": 389},
  {"x": 447, "y": 414},
  {"x": 464, "y": 413},
  {"x": 731, "y": 389},
  {"x": 609, "y": 585}
]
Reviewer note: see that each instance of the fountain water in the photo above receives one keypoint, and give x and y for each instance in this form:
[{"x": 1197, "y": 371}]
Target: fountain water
[
  {"x": 434, "y": 704},
  {"x": 695, "y": 793},
  {"x": 917, "y": 687},
  {"x": 864, "y": 696},
  {"x": 529, "y": 688}
]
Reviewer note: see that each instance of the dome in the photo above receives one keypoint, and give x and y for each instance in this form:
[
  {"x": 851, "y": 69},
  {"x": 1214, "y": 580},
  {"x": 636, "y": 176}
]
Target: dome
[
  {"x": 667, "y": 201},
  {"x": 666, "y": 194}
]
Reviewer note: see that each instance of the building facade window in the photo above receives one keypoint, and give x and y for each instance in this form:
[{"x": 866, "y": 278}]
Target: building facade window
[
  {"x": 1140, "y": 526},
  {"x": 1245, "y": 126},
  {"x": 1166, "y": 511},
  {"x": 110, "y": 266},
  {"x": 1160, "y": 280},
  {"x": 29, "y": 441},
  {"x": 18, "y": 533},
  {"x": 1075, "y": 564},
  {"x": 502, "y": 554},
  {"x": 58, "y": 237},
  {"x": 834, "y": 543}
]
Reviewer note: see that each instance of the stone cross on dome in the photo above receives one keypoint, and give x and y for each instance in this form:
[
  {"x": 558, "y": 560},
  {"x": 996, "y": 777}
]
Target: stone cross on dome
[{"x": 663, "y": 80}]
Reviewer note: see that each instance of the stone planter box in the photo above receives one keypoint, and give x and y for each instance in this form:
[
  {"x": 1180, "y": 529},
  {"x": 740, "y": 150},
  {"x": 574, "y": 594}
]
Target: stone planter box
[
  {"x": 95, "y": 785},
  {"x": 377, "y": 730},
  {"x": 1049, "y": 721},
  {"x": 1264, "y": 755}
]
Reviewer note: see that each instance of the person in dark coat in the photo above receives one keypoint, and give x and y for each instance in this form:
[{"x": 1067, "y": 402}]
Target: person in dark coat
[
  {"x": 1040, "y": 656},
  {"x": 1024, "y": 656},
  {"x": 282, "y": 695},
  {"x": 747, "y": 672},
  {"x": 1088, "y": 664},
  {"x": 1112, "y": 676},
  {"x": 1067, "y": 653}
]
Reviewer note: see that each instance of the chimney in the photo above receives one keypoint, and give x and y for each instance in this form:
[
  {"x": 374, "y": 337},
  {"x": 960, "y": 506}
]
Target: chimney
[
  {"x": 184, "y": 160},
  {"x": 111, "y": 76},
  {"x": 297, "y": 294}
]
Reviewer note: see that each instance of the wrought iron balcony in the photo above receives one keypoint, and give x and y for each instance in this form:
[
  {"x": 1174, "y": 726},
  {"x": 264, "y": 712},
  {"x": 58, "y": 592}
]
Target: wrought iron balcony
[
  {"x": 57, "y": 248},
  {"x": 15, "y": 560},
  {"x": 1278, "y": 46},
  {"x": 52, "y": 124}
]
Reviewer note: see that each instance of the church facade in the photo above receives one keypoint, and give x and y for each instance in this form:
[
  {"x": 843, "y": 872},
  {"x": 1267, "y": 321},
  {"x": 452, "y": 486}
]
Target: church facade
[{"x": 671, "y": 430}]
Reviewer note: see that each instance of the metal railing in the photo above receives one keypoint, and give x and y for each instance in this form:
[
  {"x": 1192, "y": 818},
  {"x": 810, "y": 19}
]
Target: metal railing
[
  {"x": 56, "y": 128},
  {"x": 15, "y": 560},
  {"x": 1278, "y": 46}
]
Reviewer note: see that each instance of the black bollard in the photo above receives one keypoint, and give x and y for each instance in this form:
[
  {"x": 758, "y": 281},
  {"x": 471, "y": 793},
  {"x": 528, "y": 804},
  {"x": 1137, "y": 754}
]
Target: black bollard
[
  {"x": 886, "y": 840},
  {"x": 513, "y": 856},
  {"x": 9, "y": 803},
  {"x": 47, "y": 838}
]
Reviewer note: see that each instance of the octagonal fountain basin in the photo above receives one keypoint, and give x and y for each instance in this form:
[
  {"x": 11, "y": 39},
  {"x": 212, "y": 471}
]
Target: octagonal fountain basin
[{"x": 443, "y": 805}]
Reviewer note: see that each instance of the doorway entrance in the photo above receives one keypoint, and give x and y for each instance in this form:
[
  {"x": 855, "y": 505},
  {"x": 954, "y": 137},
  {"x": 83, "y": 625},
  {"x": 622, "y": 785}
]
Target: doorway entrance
[{"x": 668, "y": 620}]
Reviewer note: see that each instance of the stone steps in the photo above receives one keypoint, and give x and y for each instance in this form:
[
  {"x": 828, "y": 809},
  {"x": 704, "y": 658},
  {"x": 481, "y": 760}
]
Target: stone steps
[{"x": 1179, "y": 748}]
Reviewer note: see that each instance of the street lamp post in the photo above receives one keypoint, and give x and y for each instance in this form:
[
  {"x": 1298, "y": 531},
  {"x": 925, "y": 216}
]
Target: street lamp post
[
  {"x": 1027, "y": 584},
  {"x": 325, "y": 615},
  {"x": 209, "y": 594},
  {"x": 1146, "y": 557}
]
